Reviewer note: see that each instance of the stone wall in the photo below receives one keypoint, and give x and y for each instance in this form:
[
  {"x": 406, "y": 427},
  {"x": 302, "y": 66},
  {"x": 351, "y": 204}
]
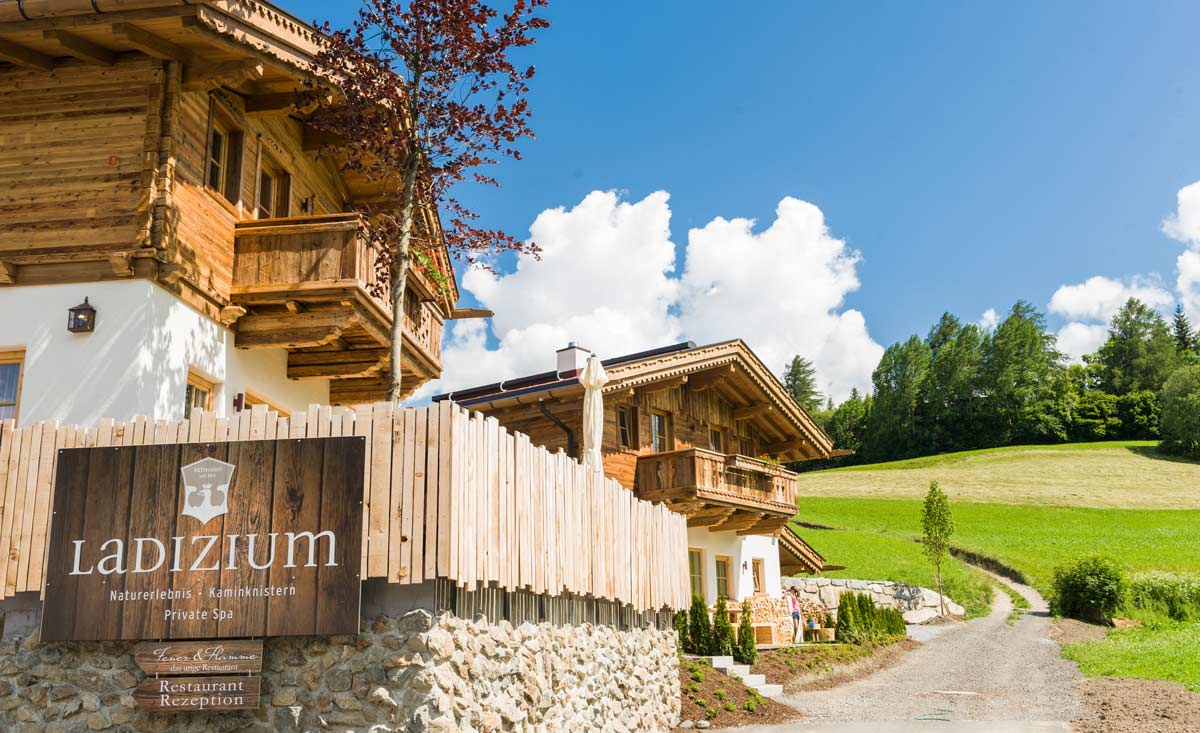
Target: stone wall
[
  {"x": 918, "y": 604},
  {"x": 408, "y": 673}
]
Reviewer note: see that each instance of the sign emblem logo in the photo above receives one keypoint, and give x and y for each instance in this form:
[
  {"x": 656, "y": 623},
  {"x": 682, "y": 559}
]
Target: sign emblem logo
[{"x": 206, "y": 488}]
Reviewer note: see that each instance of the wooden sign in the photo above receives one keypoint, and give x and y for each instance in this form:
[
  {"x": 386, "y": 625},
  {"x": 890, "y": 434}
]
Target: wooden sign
[
  {"x": 199, "y": 657},
  {"x": 184, "y": 694},
  {"x": 206, "y": 541}
]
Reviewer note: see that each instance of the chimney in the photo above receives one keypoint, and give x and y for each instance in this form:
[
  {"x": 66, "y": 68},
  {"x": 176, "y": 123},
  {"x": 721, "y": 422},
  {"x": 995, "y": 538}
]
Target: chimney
[{"x": 571, "y": 360}]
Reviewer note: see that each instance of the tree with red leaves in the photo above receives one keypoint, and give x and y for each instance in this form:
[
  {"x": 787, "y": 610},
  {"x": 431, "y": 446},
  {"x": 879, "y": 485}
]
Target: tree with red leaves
[{"x": 426, "y": 96}]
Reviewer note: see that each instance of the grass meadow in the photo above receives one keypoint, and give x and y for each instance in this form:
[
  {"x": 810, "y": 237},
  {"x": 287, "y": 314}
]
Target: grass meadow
[{"x": 1032, "y": 509}]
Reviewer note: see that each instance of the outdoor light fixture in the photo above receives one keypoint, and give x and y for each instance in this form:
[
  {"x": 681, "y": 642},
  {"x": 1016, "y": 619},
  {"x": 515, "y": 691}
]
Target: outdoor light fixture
[{"x": 81, "y": 318}]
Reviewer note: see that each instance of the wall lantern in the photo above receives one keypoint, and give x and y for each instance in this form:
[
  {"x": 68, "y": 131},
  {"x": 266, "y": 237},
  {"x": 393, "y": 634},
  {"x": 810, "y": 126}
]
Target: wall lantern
[{"x": 81, "y": 318}]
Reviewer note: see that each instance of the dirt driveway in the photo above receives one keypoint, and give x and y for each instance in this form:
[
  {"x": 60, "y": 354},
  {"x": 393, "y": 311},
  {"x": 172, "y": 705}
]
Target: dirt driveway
[{"x": 987, "y": 674}]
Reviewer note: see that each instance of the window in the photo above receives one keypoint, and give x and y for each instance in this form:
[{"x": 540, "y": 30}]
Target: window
[
  {"x": 249, "y": 400},
  {"x": 716, "y": 440},
  {"x": 723, "y": 589},
  {"x": 223, "y": 172},
  {"x": 660, "y": 431},
  {"x": 696, "y": 567},
  {"x": 12, "y": 364},
  {"x": 274, "y": 191},
  {"x": 627, "y": 427},
  {"x": 199, "y": 393},
  {"x": 760, "y": 582}
]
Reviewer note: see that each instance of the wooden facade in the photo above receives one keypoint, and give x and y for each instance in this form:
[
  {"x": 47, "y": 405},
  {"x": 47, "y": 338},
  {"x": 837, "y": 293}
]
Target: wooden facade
[
  {"x": 448, "y": 495},
  {"x": 158, "y": 140},
  {"x": 685, "y": 425}
]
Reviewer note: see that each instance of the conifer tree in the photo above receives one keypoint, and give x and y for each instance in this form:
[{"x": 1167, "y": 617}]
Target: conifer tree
[{"x": 722, "y": 631}]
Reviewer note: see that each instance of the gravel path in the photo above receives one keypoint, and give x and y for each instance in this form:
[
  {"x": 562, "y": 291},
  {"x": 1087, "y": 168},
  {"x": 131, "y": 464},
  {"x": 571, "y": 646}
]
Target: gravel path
[{"x": 984, "y": 670}]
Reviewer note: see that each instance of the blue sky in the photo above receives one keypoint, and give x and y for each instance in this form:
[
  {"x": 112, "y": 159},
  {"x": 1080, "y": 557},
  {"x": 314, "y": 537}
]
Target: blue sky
[{"x": 971, "y": 153}]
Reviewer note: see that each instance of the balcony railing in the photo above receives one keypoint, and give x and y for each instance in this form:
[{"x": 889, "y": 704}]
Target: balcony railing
[
  {"x": 324, "y": 258},
  {"x": 716, "y": 478}
]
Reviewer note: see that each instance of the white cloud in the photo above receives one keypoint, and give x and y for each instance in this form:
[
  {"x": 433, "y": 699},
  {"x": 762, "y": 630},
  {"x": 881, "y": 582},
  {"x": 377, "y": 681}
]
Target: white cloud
[
  {"x": 989, "y": 320},
  {"x": 1099, "y": 298},
  {"x": 607, "y": 281},
  {"x": 781, "y": 290},
  {"x": 1184, "y": 225},
  {"x": 1076, "y": 339}
]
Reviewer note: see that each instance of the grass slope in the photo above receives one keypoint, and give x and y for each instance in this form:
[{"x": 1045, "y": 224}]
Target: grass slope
[
  {"x": 1032, "y": 508},
  {"x": 1114, "y": 475}
]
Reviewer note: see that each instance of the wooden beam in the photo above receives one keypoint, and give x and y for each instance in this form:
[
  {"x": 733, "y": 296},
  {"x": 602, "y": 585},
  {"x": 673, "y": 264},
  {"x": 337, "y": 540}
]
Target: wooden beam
[
  {"x": 710, "y": 517},
  {"x": 786, "y": 446},
  {"x": 170, "y": 273},
  {"x": 80, "y": 47},
  {"x": 740, "y": 520},
  {"x": 279, "y": 103},
  {"x": 150, "y": 44},
  {"x": 710, "y": 378},
  {"x": 336, "y": 364},
  {"x": 122, "y": 265},
  {"x": 22, "y": 56},
  {"x": 312, "y": 139},
  {"x": 459, "y": 314},
  {"x": 749, "y": 412},
  {"x": 665, "y": 384},
  {"x": 199, "y": 77},
  {"x": 8, "y": 273},
  {"x": 230, "y": 314},
  {"x": 766, "y": 526},
  {"x": 292, "y": 331}
]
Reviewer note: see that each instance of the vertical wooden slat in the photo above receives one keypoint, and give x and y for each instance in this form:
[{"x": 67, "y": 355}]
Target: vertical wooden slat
[
  {"x": 51, "y": 441},
  {"x": 9, "y": 458},
  {"x": 379, "y": 525},
  {"x": 27, "y": 487},
  {"x": 362, "y": 428},
  {"x": 414, "y": 553}
]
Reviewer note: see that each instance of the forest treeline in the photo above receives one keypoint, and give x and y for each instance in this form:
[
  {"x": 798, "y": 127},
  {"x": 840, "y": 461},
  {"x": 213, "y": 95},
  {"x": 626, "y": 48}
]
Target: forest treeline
[{"x": 962, "y": 387}]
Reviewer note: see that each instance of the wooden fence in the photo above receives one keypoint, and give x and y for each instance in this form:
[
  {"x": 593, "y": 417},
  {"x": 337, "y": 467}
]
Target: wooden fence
[{"x": 447, "y": 494}]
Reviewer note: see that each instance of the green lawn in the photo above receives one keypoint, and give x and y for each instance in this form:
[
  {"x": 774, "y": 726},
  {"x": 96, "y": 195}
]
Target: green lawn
[
  {"x": 1128, "y": 474},
  {"x": 1031, "y": 508},
  {"x": 874, "y": 556},
  {"x": 1031, "y": 539}
]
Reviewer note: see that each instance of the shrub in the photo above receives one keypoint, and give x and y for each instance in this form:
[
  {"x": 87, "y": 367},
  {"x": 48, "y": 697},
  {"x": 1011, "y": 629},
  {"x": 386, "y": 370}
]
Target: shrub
[
  {"x": 710, "y": 713},
  {"x": 1139, "y": 414},
  {"x": 699, "y": 630},
  {"x": 729, "y": 706},
  {"x": 746, "y": 651},
  {"x": 1166, "y": 594},
  {"x": 1090, "y": 588},
  {"x": 1180, "y": 423},
  {"x": 719, "y": 694},
  {"x": 750, "y": 705},
  {"x": 721, "y": 644},
  {"x": 860, "y": 621},
  {"x": 680, "y": 622}
]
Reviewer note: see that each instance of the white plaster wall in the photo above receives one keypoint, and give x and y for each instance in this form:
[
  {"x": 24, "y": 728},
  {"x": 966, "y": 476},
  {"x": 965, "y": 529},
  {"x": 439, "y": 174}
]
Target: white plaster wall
[
  {"x": 740, "y": 550},
  {"x": 137, "y": 359}
]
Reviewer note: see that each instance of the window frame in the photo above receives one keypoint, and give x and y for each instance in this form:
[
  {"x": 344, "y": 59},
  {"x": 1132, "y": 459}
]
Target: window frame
[
  {"x": 230, "y": 159},
  {"x": 196, "y": 380},
  {"x": 667, "y": 434},
  {"x": 281, "y": 189},
  {"x": 627, "y": 433},
  {"x": 696, "y": 578},
  {"x": 718, "y": 445},
  {"x": 728, "y": 589},
  {"x": 758, "y": 570},
  {"x": 14, "y": 356}
]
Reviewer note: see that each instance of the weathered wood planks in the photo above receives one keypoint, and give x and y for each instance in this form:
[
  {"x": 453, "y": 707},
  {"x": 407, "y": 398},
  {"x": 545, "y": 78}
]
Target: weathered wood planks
[{"x": 446, "y": 494}]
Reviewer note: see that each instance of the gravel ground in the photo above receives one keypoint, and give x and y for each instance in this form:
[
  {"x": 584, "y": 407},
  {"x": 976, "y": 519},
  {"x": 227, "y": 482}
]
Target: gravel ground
[
  {"x": 1145, "y": 706},
  {"x": 983, "y": 670}
]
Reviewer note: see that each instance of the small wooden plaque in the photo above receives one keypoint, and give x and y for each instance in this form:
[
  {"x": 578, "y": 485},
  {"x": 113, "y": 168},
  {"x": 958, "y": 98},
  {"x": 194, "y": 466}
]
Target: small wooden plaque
[
  {"x": 193, "y": 694},
  {"x": 199, "y": 657}
]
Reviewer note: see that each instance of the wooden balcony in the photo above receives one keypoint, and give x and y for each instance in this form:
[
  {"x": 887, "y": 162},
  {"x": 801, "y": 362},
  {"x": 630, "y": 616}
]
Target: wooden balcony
[
  {"x": 310, "y": 285},
  {"x": 718, "y": 491}
]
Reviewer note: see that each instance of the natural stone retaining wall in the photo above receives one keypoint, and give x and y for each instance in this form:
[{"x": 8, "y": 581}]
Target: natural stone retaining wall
[
  {"x": 918, "y": 604},
  {"x": 408, "y": 673}
]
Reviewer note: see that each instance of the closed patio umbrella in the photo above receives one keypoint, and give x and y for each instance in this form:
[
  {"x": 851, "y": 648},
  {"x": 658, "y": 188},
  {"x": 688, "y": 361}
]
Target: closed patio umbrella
[{"x": 593, "y": 380}]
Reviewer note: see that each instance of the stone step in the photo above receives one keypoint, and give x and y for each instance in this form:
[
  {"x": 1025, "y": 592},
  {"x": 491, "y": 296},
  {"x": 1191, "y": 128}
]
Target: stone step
[
  {"x": 771, "y": 691},
  {"x": 753, "y": 680},
  {"x": 721, "y": 662},
  {"x": 738, "y": 670}
]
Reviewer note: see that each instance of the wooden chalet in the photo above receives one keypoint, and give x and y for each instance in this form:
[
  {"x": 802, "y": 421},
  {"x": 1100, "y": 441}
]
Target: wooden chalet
[
  {"x": 703, "y": 429},
  {"x": 159, "y": 140}
]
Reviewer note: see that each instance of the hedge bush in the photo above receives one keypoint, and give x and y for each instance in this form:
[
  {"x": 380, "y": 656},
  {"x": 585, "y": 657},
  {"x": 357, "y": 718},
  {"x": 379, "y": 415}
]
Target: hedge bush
[
  {"x": 1166, "y": 594},
  {"x": 699, "y": 636},
  {"x": 746, "y": 650},
  {"x": 860, "y": 621},
  {"x": 1091, "y": 588},
  {"x": 722, "y": 631}
]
